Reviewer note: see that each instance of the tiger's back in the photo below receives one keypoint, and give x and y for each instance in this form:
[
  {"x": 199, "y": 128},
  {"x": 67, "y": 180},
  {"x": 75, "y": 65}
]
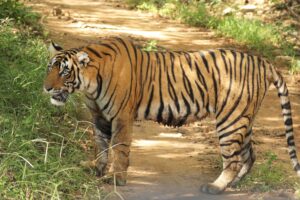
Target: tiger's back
[{"x": 182, "y": 87}]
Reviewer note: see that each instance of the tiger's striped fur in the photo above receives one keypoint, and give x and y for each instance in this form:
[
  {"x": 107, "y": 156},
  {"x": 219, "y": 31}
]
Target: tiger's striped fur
[{"x": 123, "y": 83}]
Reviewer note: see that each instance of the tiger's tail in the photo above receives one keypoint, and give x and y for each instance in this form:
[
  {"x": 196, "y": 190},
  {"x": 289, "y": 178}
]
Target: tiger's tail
[{"x": 287, "y": 117}]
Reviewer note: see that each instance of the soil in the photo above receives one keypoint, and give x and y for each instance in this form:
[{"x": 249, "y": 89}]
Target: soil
[{"x": 170, "y": 163}]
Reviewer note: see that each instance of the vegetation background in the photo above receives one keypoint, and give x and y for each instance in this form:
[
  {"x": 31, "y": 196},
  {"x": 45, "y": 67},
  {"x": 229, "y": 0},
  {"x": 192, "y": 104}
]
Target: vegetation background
[{"x": 33, "y": 161}]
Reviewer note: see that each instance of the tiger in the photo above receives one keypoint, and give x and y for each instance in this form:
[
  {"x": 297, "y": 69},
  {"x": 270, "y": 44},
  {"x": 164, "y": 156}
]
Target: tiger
[{"x": 122, "y": 83}]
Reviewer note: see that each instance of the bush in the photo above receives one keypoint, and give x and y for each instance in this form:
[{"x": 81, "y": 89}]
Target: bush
[{"x": 19, "y": 14}]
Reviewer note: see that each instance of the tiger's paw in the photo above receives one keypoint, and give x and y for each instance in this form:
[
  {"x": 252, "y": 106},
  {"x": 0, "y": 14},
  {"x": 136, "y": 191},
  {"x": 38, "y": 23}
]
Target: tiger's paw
[
  {"x": 235, "y": 182},
  {"x": 101, "y": 169},
  {"x": 118, "y": 181},
  {"x": 211, "y": 189},
  {"x": 100, "y": 172}
]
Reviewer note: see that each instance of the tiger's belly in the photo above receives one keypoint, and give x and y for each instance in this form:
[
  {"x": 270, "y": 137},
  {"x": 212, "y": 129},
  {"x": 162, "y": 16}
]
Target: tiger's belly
[{"x": 171, "y": 115}]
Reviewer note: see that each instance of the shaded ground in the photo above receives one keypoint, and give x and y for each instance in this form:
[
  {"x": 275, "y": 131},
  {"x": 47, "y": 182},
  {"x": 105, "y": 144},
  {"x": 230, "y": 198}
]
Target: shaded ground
[{"x": 169, "y": 163}]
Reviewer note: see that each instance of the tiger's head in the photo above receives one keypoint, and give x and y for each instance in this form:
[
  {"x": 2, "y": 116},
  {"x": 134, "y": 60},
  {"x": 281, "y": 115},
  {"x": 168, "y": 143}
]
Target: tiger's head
[{"x": 63, "y": 73}]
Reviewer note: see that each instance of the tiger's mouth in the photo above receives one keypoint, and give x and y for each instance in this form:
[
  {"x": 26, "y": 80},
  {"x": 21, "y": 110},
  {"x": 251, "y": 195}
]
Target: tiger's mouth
[{"x": 59, "y": 99}]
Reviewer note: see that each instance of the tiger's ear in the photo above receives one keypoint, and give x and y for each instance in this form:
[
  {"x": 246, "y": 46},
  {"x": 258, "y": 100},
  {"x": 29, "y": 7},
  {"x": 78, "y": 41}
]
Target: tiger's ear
[
  {"x": 83, "y": 58},
  {"x": 54, "y": 49}
]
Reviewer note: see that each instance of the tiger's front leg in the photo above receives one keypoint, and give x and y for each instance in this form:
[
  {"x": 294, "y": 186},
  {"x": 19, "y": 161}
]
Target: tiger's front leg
[
  {"x": 120, "y": 145},
  {"x": 102, "y": 133}
]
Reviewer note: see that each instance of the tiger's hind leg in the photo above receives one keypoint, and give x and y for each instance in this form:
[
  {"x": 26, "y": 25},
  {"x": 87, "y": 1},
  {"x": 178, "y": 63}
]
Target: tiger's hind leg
[
  {"x": 232, "y": 147},
  {"x": 248, "y": 159}
]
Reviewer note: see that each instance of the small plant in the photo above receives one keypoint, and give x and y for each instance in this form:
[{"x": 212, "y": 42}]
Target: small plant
[{"x": 151, "y": 45}]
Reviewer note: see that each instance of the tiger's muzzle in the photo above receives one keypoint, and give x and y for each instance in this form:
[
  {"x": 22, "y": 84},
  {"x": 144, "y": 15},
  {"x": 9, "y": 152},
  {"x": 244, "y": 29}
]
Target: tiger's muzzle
[{"x": 58, "y": 97}]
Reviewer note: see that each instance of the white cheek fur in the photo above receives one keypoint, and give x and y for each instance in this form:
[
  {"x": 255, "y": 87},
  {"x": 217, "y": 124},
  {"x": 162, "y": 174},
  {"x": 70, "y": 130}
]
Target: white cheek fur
[{"x": 57, "y": 103}]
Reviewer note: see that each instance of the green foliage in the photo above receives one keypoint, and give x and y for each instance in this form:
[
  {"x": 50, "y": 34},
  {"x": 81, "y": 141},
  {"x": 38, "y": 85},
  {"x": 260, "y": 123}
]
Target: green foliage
[
  {"x": 256, "y": 35},
  {"x": 40, "y": 150},
  {"x": 157, "y": 4},
  {"x": 150, "y": 46},
  {"x": 195, "y": 14},
  {"x": 20, "y": 15},
  {"x": 295, "y": 66},
  {"x": 267, "y": 175}
]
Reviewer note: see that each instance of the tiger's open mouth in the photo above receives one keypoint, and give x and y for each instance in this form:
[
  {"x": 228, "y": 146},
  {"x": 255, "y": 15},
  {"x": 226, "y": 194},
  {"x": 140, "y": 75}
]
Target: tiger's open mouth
[{"x": 59, "y": 99}]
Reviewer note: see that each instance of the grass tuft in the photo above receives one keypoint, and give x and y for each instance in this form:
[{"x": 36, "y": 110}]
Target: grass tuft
[
  {"x": 40, "y": 149},
  {"x": 267, "y": 175}
]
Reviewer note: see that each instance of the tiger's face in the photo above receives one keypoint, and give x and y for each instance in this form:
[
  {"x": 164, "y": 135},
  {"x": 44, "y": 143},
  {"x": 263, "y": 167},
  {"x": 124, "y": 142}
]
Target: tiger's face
[{"x": 63, "y": 73}]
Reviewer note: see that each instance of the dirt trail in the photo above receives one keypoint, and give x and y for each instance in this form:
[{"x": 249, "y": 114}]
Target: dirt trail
[{"x": 166, "y": 163}]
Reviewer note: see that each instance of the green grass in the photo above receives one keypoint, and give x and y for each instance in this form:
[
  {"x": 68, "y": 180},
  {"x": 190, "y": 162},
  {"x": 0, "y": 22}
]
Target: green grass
[
  {"x": 268, "y": 174},
  {"x": 40, "y": 149},
  {"x": 295, "y": 66},
  {"x": 254, "y": 34}
]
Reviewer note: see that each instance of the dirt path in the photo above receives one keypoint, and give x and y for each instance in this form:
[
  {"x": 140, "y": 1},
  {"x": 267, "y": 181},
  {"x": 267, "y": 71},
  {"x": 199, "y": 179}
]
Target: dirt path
[{"x": 166, "y": 163}]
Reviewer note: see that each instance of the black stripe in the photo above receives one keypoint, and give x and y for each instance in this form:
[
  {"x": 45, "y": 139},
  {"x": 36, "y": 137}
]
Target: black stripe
[
  {"x": 284, "y": 94},
  {"x": 172, "y": 93},
  {"x": 112, "y": 104},
  {"x": 149, "y": 103},
  {"x": 204, "y": 61},
  {"x": 290, "y": 140},
  {"x": 131, "y": 71},
  {"x": 293, "y": 154},
  {"x": 213, "y": 55},
  {"x": 288, "y": 122},
  {"x": 215, "y": 90},
  {"x": 109, "y": 100},
  {"x": 172, "y": 58},
  {"x": 94, "y": 51},
  {"x": 286, "y": 106},
  {"x": 161, "y": 106},
  {"x": 228, "y": 91},
  {"x": 99, "y": 86},
  {"x": 248, "y": 133},
  {"x": 235, "y": 153},
  {"x": 120, "y": 107},
  {"x": 224, "y": 59},
  {"x": 201, "y": 92},
  {"x": 187, "y": 85},
  {"x": 253, "y": 76},
  {"x": 297, "y": 167},
  {"x": 188, "y": 59},
  {"x": 241, "y": 66},
  {"x": 142, "y": 82},
  {"x": 197, "y": 108},
  {"x": 109, "y": 47},
  {"x": 104, "y": 126},
  {"x": 289, "y": 130},
  {"x": 188, "y": 111},
  {"x": 265, "y": 76},
  {"x": 170, "y": 117},
  {"x": 234, "y": 63},
  {"x": 230, "y": 142},
  {"x": 235, "y": 105},
  {"x": 200, "y": 76},
  {"x": 232, "y": 131}
]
